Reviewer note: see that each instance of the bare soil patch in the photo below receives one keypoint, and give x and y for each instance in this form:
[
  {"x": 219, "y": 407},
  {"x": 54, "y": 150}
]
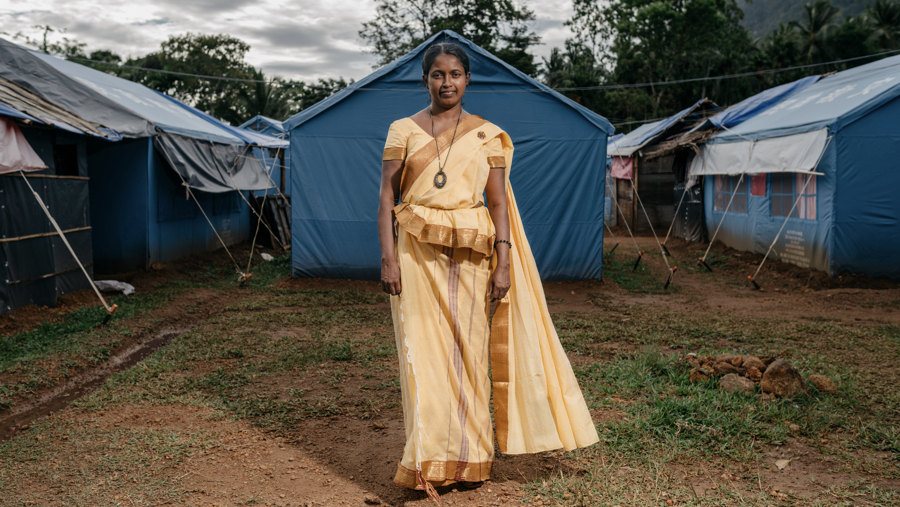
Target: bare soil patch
[{"x": 274, "y": 402}]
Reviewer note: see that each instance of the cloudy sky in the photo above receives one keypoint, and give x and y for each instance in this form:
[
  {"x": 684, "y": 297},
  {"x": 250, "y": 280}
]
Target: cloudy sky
[{"x": 304, "y": 39}]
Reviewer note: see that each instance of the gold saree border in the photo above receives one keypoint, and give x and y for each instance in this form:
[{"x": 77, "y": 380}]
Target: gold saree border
[
  {"x": 443, "y": 235},
  {"x": 421, "y": 159},
  {"x": 444, "y": 473},
  {"x": 496, "y": 161},
  {"x": 394, "y": 153},
  {"x": 500, "y": 371}
]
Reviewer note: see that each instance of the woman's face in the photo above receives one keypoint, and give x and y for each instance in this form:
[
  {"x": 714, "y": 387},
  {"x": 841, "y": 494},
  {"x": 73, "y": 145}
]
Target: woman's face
[{"x": 447, "y": 81}]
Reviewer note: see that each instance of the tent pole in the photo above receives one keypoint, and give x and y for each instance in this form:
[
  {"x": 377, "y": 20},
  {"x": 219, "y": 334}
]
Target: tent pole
[
  {"x": 109, "y": 309},
  {"x": 624, "y": 219},
  {"x": 662, "y": 251},
  {"x": 796, "y": 202},
  {"x": 640, "y": 253},
  {"x": 677, "y": 209},
  {"x": 243, "y": 277},
  {"x": 702, "y": 260},
  {"x": 283, "y": 172},
  {"x": 262, "y": 210},
  {"x": 234, "y": 185}
]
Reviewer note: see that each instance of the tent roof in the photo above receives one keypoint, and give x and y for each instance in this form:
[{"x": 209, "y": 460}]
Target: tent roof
[
  {"x": 248, "y": 136},
  {"x": 260, "y": 120},
  {"x": 31, "y": 77},
  {"x": 759, "y": 103},
  {"x": 165, "y": 113},
  {"x": 6, "y": 110},
  {"x": 647, "y": 133},
  {"x": 833, "y": 101},
  {"x": 496, "y": 77}
]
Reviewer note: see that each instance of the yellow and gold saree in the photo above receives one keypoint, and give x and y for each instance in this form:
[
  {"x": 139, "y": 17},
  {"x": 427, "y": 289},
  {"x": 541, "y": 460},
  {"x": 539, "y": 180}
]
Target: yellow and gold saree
[{"x": 445, "y": 240}]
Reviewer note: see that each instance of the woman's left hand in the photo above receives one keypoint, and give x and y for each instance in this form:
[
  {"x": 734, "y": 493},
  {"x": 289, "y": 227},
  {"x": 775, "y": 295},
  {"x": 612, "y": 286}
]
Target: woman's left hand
[{"x": 500, "y": 283}]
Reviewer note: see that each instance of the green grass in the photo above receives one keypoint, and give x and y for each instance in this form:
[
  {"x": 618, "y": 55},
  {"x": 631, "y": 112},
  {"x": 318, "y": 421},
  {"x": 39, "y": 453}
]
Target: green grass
[
  {"x": 276, "y": 357},
  {"x": 699, "y": 419},
  {"x": 245, "y": 355},
  {"x": 895, "y": 304},
  {"x": 109, "y": 462},
  {"x": 620, "y": 269},
  {"x": 715, "y": 260},
  {"x": 275, "y": 298},
  {"x": 67, "y": 336},
  {"x": 53, "y": 352}
]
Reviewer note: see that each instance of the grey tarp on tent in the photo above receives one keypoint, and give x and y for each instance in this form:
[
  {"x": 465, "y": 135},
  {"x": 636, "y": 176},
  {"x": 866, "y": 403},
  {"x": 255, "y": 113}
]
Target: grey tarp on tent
[
  {"x": 133, "y": 110},
  {"x": 20, "y": 66},
  {"x": 212, "y": 167}
]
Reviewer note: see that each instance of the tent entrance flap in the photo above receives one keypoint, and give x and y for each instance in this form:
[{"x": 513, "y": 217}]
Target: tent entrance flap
[
  {"x": 794, "y": 153},
  {"x": 213, "y": 167}
]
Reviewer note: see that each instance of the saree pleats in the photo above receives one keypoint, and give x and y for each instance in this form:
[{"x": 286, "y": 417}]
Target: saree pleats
[
  {"x": 441, "y": 326},
  {"x": 543, "y": 405}
]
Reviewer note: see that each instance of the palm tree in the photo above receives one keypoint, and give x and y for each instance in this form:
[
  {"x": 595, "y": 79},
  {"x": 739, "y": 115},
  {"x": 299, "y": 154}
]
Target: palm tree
[
  {"x": 884, "y": 18},
  {"x": 819, "y": 19},
  {"x": 780, "y": 47},
  {"x": 270, "y": 97}
]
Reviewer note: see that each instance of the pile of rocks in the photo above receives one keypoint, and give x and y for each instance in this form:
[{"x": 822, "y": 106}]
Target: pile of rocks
[{"x": 775, "y": 376}]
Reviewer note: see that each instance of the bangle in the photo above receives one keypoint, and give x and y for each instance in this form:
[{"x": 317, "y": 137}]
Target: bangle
[{"x": 496, "y": 242}]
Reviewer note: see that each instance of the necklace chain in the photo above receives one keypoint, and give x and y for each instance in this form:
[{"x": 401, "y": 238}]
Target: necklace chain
[{"x": 440, "y": 179}]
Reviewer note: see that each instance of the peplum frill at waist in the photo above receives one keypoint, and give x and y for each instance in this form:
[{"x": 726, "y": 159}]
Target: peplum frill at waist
[{"x": 456, "y": 228}]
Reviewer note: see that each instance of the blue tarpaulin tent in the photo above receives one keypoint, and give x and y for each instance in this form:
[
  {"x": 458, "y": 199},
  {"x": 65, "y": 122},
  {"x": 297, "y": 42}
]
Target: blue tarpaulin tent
[
  {"x": 278, "y": 162},
  {"x": 644, "y": 181},
  {"x": 557, "y": 172},
  {"x": 139, "y": 209},
  {"x": 650, "y": 132},
  {"x": 752, "y": 106},
  {"x": 820, "y": 163},
  {"x": 265, "y": 125}
]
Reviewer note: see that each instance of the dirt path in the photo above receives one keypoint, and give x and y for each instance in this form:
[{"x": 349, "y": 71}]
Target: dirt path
[{"x": 168, "y": 432}]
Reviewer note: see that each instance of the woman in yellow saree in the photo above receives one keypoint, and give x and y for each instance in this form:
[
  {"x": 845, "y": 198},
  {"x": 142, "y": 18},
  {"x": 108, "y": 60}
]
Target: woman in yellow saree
[{"x": 445, "y": 256}]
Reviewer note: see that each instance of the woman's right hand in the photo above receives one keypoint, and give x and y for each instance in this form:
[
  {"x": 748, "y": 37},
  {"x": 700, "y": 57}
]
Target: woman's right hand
[{"x": 390, "y": 277}]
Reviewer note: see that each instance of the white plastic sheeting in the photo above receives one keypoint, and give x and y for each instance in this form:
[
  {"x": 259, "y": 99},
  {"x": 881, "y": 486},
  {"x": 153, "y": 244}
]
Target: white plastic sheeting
[
  {"x": 798, "y": 153},
  {"x": 15, "y": 152},
  {"x": 115, "y": 286}
]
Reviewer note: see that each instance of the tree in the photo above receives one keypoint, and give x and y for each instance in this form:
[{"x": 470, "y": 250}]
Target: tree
[
  {"x": 272, "y": 97},
  {"x": 498, "y": 26},
  {"x": 850, "y": 39},
  {"x": 657, "y": 41},
  {"x": 308, "y": 95},
  {"x": 576, "y": 67},
  {"x": 67, "y": 48},
  {"x": 819, "y": 20},
  {"x": 207, "y": 55},
  {"x": 884, "y": 18}
]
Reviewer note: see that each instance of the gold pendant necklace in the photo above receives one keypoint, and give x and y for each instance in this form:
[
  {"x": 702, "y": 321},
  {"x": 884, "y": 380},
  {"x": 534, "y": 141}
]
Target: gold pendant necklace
[{"x": 440, "y": 179}]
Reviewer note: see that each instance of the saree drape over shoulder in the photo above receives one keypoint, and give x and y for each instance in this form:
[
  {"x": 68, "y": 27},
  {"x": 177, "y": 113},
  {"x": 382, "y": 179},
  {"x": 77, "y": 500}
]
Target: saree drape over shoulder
[{"x": 445, "y": 241}]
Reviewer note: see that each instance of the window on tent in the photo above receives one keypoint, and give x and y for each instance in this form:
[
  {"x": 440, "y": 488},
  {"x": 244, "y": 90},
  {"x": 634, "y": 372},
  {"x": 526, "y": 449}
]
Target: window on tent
[
  {"x": 787, "y": 188},
  {"x": 724, "y": 187}
]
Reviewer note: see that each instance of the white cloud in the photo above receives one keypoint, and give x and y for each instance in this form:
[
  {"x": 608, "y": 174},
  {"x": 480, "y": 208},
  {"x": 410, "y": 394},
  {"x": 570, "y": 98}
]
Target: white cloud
[{"x": 303, "y": 40}]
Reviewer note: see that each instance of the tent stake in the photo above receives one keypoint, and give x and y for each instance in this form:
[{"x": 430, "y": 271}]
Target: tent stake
[
  {"x": 109, "y": 315},
  {"x": 701, "y": 261},
  {"x": 671, "y": 276},
  {"x": 754, "y": 283},
  {"x": 667, "y": 250},
  {"x": 614, "y": 248},
  {"x": 638, "y": 261}
]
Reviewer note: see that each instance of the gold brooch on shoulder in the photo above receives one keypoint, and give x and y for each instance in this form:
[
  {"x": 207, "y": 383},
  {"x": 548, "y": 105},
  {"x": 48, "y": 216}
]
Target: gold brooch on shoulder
[{"x": 481, "y": 136}]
